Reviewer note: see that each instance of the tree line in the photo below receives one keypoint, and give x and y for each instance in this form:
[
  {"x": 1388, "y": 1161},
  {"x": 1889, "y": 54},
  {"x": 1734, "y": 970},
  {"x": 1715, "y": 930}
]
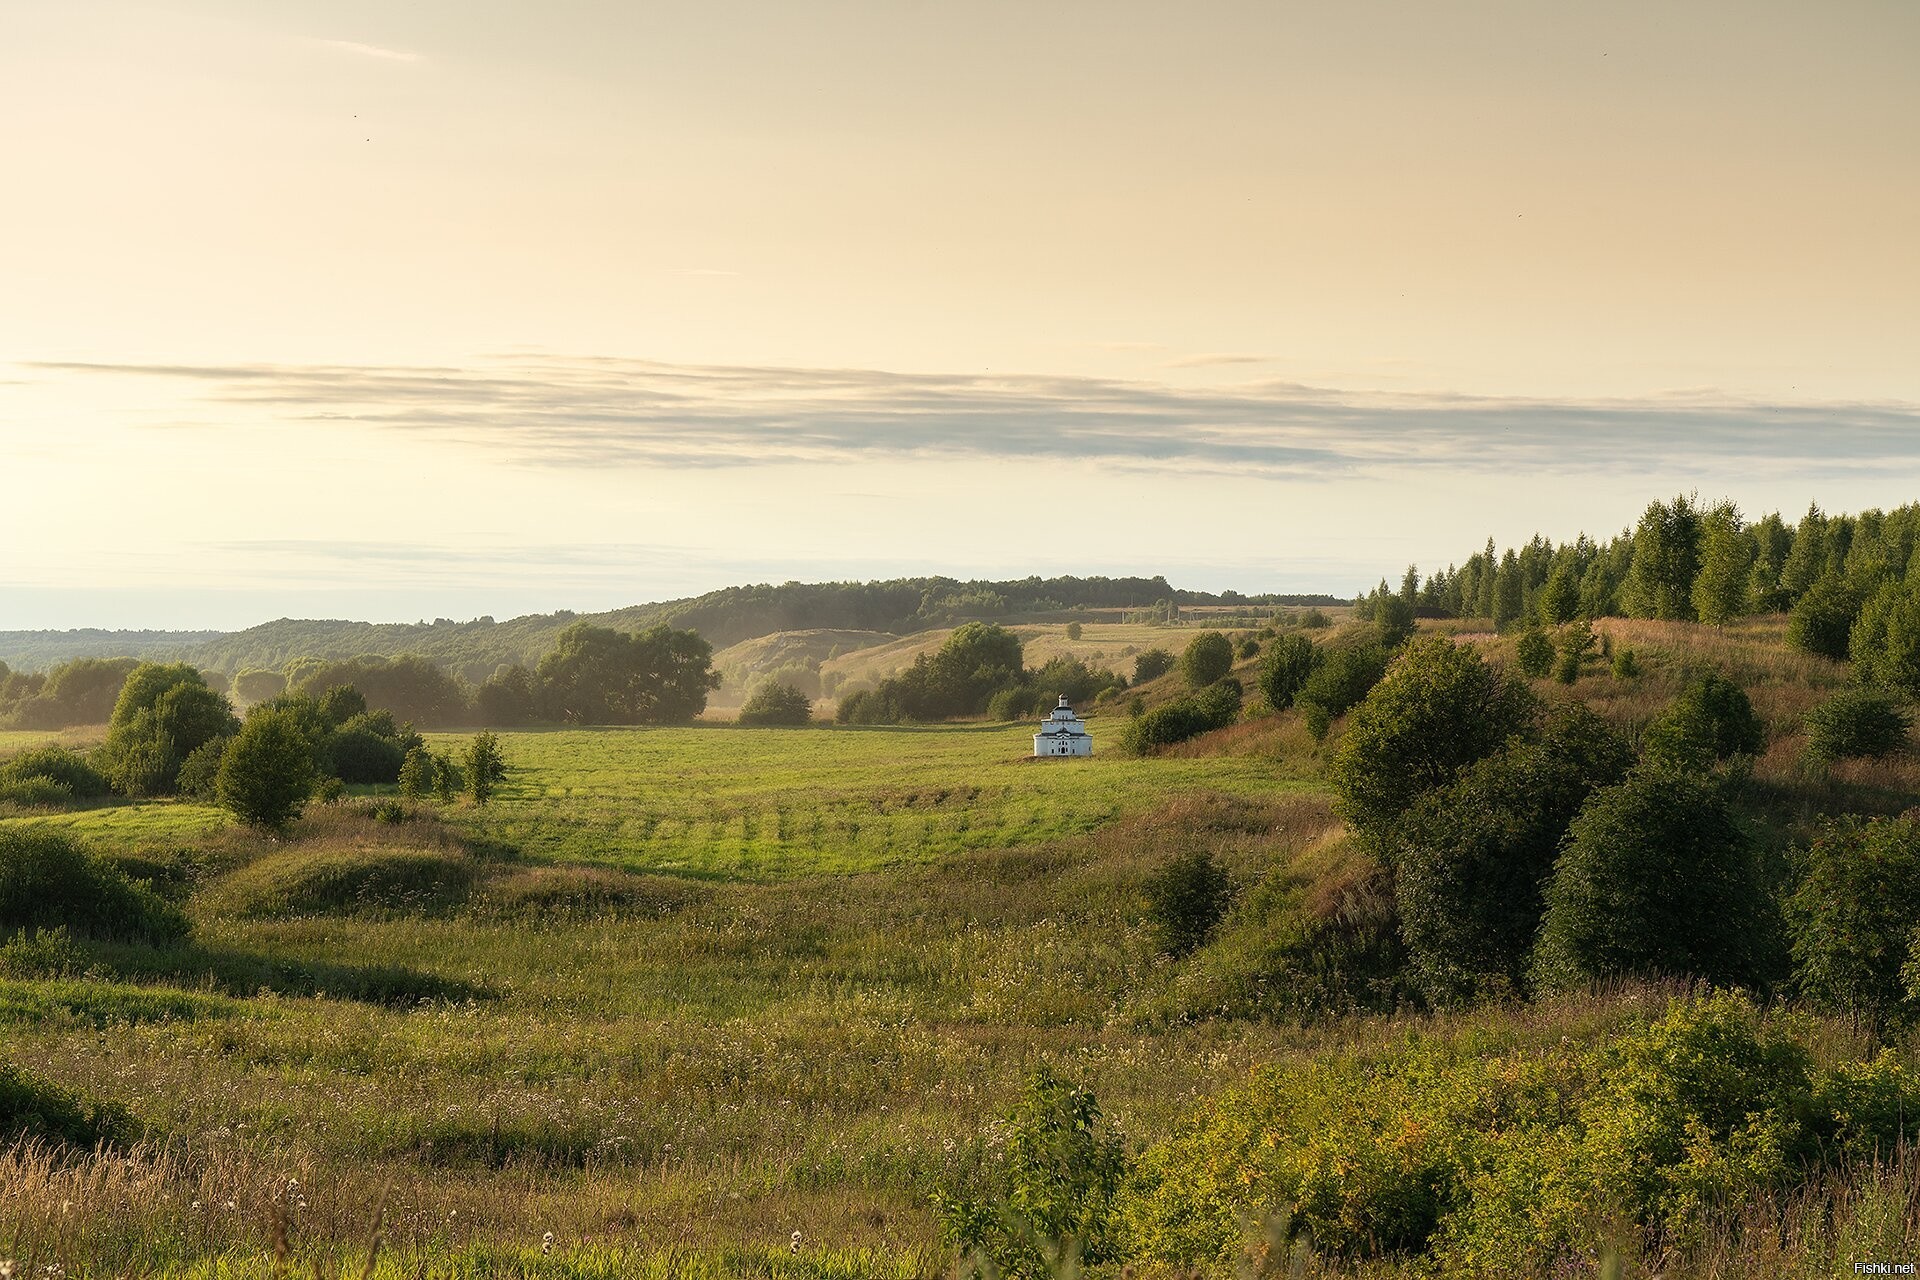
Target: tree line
[
  {"x": 593, "y": 675},
  {"x": 1843, "y": 580}
]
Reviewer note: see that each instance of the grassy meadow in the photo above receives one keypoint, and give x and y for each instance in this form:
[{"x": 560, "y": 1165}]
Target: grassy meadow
[{"x": 715, "y": 1001}]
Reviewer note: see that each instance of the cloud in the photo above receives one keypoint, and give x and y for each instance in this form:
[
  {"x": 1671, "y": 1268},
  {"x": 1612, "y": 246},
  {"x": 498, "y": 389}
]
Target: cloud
[
  {"x": 605, "y": 412},
  {"x": 1210, "y": 360},
  {"x": 370, "y": 50}
]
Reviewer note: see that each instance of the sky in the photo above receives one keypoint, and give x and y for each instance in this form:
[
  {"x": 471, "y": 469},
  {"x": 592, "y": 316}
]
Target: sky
[{"x": 462, "y": 307}]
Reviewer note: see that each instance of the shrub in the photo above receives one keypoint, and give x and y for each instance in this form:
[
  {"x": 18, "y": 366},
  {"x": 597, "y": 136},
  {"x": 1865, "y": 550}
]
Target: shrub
[
  {"x": 1314, "y": 620},
  {"x": 1249, "y": 648},
  {"x": 1073, "y": 631},
  {"x": 36, "y": 793},
  {"x": 1472, "y": 860},
  {"x": 484, "y": 766},
  {"x": 1856, "y": 722},
  {"x": 1212, "y": 708},
  {"x": 1050, "y": 1196},
  {"x": 777, "y": 704},
  {"x": 1504, "y": 1163},
  {"x": 1339, "y": 681},
  {"x": 33, "y": 1107},
  {"x": 1534, "y": 653},
  {"x": 1625, "y": 665},
  {"x": 199, "y": 777},
  {"x": 1439, "y": 708},
  {"x": 267, "y": 773},
  {"x": 1208, "y": 657},
  {"x": 1151, "y": 665},
  {"x": 60, "y": 765},
  {"x": 1655, "y": 878},
  {"x": 868, "y": 706},
  {"x": 48, "y": 882},
  {"x": 1821, "y": 621},
  {"x": 1288, "y": 664},
  {"x": 1851, "y": 921},
  {"x": 357, "y": 753},
  {"x": 1711, "y": 720},
  {"x": 1021, "y": 702},
  {"x": 1185, "y": 900},
  {"x": 418, "y": 774},
  {"x": 163, "y": 713}
]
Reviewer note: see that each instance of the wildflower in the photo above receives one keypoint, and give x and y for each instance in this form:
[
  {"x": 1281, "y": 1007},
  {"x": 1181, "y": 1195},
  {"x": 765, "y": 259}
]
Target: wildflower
[
  {"x": 794, "y": 1247},
  {"x": 6, "y": 1269},
  {"x": 546, "y": 1243}
]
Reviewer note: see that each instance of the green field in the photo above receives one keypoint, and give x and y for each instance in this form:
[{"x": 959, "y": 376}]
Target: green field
[{"x": 776, "y": 803}]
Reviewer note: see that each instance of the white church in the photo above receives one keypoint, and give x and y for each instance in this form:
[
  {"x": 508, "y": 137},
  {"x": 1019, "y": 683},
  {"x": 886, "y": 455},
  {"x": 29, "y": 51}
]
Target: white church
[{"x": 1062, "y": 734}]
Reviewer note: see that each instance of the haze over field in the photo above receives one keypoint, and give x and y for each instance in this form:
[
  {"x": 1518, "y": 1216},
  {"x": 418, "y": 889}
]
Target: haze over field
[{"x": 391, "y": 312}]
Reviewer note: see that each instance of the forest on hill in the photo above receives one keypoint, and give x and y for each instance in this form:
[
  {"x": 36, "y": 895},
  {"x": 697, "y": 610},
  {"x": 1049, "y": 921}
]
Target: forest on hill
[{"x": 473, "y": 649}]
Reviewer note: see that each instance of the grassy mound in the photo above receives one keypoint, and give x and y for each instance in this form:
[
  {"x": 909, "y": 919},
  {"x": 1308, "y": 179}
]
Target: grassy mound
[
  {"x": 362, "y": 880},
  {"x": 49, "y": 882},
  {"x": 33, "y": 1107},
  {"x": 578, "y": 892}
]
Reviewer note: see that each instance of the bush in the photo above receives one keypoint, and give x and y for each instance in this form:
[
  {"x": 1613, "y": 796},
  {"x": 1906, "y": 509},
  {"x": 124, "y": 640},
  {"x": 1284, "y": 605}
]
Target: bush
[
  {"x": 1854, "y": 723},
  {"x": 164, "y": 712},
  {"x": 1439, "y": 708},
  {"x": 1472, "y": 860},
  {"x": 777, "y": 704},
  {"x": 1821, "y": 621},
  {"x": 55, "y": 764},
  {"x": 1392, "y": 620},
  {"x": 199, "y": 777},
  {"x": 1151, "y": 665},
  {"x": 356, "y": 753},
  {"x": 1852, "y": 918},
  {"x": 1625, "y": 665},
  {"x": 32, "y": 1107},
  {"x": 419, "y": 774},
  {"x": 868, "y": 706},
  {"x": 1021, "y": 702},
  {"x": 1505, "y": 1162},
  {"x": 1339, "y": 681},
  {"x": 1189, "y": 717},
  {"x": 1249, "y": 648},
  {"x": 1711, "y": 720},
  {"x": 1287, "y": 667},
  {"x": 1208, "y": 657},
  {"x": 266, "y": 772},
  {"x": 1185, "y": 899},
  {"x": 1534, "y": 652},
  {"x": 1048, "y": 1197},
  {"x": 48, "y": 882},
  {"x": 1073, "y": 631},
  {"x": 485, "y": 768},
  {"x": 1655, "y": 879}
]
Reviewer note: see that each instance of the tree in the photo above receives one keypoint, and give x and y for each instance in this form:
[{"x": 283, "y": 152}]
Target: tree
[
  {"x": 1655, "y": 879},
  {"x": 1392, "y": 620},
  {"x": 419, "y": 774},
  {"x": 1852, "y": 918},
  {"x": 1339, "y": 681},
  {"x": 411, "y": 686},
  {"x": 1711, "y": 720},
  {"x": 1472, "y": 859},
  {"x": 267, "y": 773},
  {"x": 1726, "y": 566},
  {"x": 1073, "y": 631},
  {"x": 778, "y": 704},
  {"x": 164, "y": 713},
  {"x": 256, "y": 685},
  {"x": 1151, "y": 665},
  {"x": 596, "y": 675},
  {"x": 1208, "y": 657},
  {"x": 1185, "y": 899},
  {"x": 1439, "y": 708},
  {"x": 1856, "y": 722},
  {"x": 485, "y": 767},
  {"x": 1509, "y": 592},
  {"x": 1885, "y": 642},
  {"x": 1560, "y": 597},
  {"x": 508, "y": 697},
  {"x": 1666, "y": 559},
  {"x": 1822, "y": 619},
  {"x": 1534, "y": 652},
  {"x": 1288, "y": 664}
]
